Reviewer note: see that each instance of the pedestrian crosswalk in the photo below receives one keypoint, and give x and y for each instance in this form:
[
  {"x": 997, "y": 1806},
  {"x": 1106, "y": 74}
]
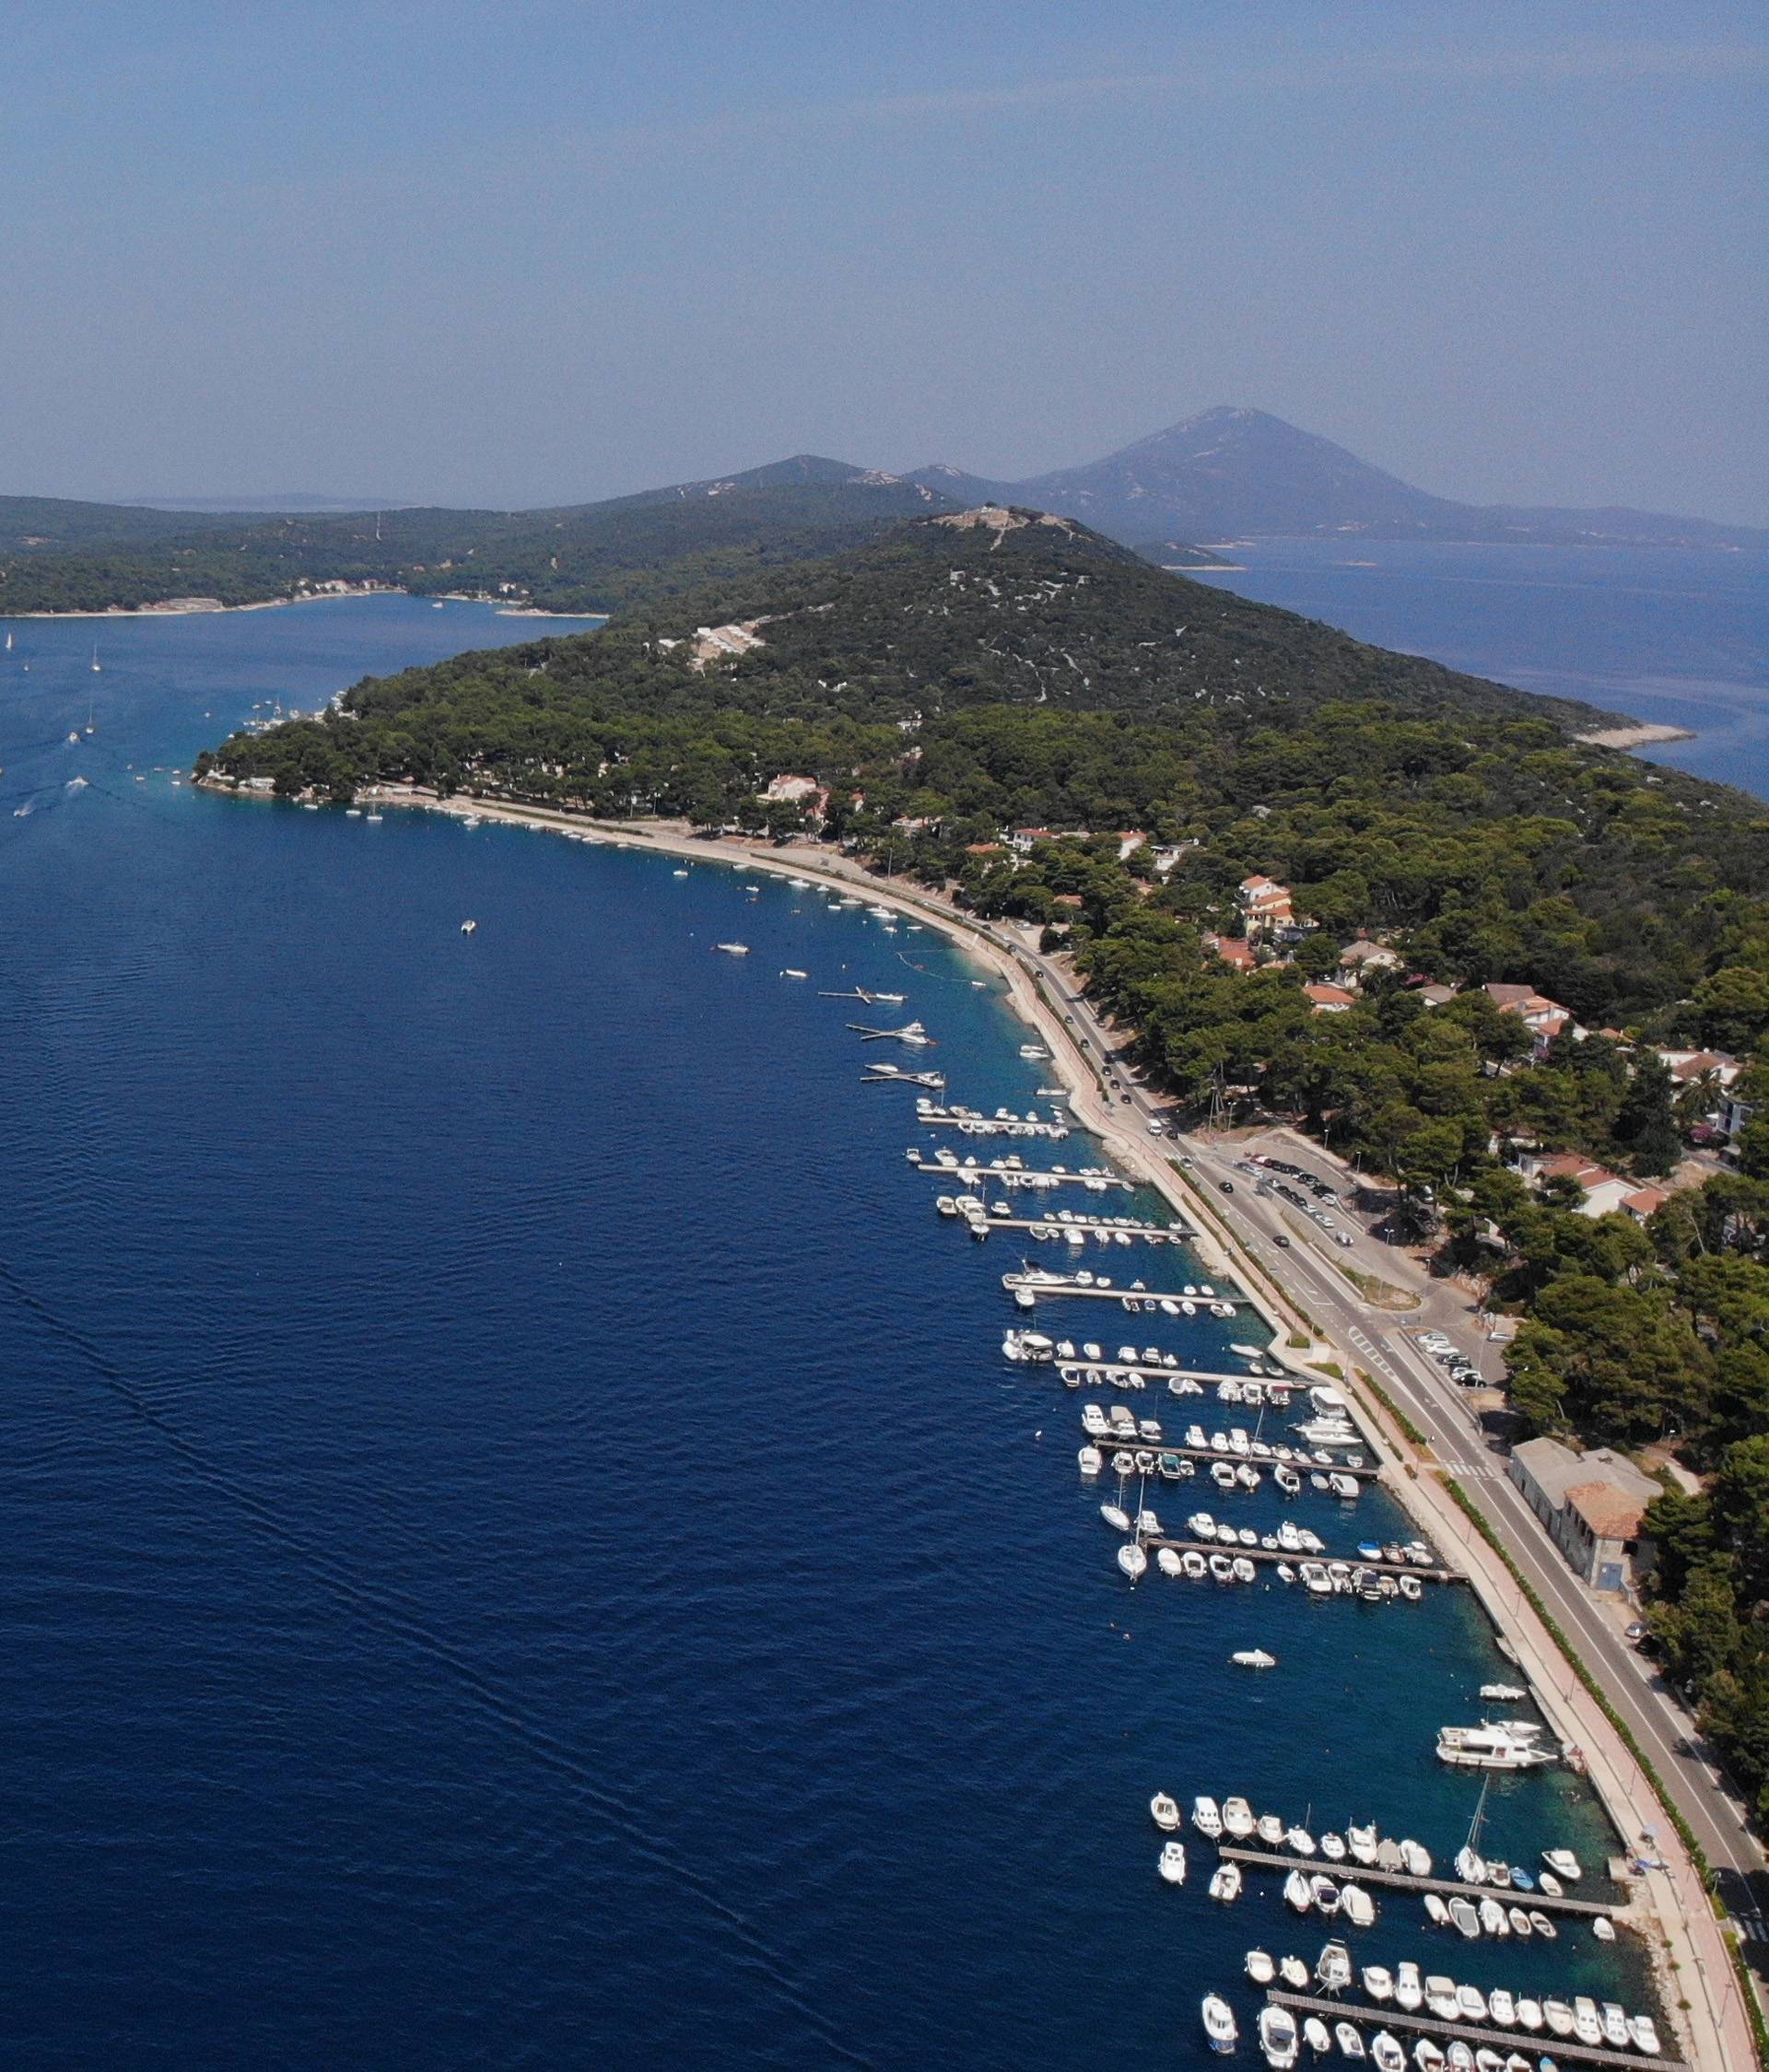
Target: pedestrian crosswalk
[
  {"x": 1751, "y": 1928},
  {"x": 1475, "y": 1470}
]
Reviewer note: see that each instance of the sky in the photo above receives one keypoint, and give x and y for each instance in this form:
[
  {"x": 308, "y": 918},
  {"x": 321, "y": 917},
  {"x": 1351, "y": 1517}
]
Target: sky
[{"x": 538, "y": 251}]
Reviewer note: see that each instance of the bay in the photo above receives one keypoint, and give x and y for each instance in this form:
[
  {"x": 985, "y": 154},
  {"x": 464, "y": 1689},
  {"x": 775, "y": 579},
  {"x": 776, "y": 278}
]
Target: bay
[
  {"x": 525, "y": 1549},
  {"x": 1678, "y": 637}
]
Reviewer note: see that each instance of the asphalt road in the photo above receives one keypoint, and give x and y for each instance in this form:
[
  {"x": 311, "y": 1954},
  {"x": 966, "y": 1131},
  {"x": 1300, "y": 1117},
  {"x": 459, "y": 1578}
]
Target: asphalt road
[{"x": 1658, "y": 1721}]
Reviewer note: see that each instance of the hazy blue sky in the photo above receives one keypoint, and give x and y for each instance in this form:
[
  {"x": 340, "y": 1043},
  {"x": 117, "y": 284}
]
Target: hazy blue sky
[{"x": 526, "y": 250}]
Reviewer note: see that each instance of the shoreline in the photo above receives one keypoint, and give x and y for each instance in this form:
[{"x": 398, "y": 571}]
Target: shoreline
[
  {"x": 212, "y": 609},
  {"x": 1675, "y": 1920},
  {"x": 1642, "y": 735}
]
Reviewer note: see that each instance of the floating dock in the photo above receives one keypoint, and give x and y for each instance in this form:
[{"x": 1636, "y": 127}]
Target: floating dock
[
  {"x": 1013, "y": 1176},
  {"x": 1141, "y": 1234},
  {"x": 1109, "y": 1442},
  {"x": 1563, "y": 2049},
  {"x": 1014, "y": 1283},
  {"x": 1446, "y": 1888},
  {"x": 1432, "y": 1575},
  {"x": 989, "y": 1124},
  {"x": 1099, "y": 1370}
]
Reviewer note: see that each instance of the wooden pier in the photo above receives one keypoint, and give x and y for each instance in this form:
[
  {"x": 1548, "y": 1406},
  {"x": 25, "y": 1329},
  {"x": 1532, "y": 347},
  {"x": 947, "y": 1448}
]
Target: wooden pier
[
  {"x": 1014, "y": 1283},
  {"x": 1014, "y": 1176},
  {"x": 1099, "y": 1370},
  {"x": 1532, "y": 2044},
  {"x": 1403, "y": 1880},
  {"x": 992, "y": 1126},
  {"x": 1138, "y": 1234},
  {"x": 1208, "y": 1546},
  {"x": 1110, "y": 1443}
]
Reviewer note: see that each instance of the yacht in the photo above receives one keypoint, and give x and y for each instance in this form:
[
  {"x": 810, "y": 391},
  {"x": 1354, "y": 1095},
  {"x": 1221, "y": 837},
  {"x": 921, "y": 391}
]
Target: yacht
[
  {"x": 1205, "y": 1817},
  {"x": 1558, "y": 2016},
  {"x": 1440, "y": 1998},
  {"x": 733, "y": 949},
  {"x": 1219, "y": 2023},
  {"x": 1164, "y": 1812},
  {"x": 1564, "y": 1863},
  {"x": 1361, "y": 1841},
  {"x": 1379, "y": 1983},
  {"x": 1253, "y": 1659},
  {"x": 1172, "y": 1864},
  {"x": 1408, "y": 1994},
  {"x": 1225, "y": 1882},
  {"x": 1277, "y": 2036}
]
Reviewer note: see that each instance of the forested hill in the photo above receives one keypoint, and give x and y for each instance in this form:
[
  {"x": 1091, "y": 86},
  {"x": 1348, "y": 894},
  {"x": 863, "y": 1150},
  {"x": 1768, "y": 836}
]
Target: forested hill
[{"x": 586, "y": 557}]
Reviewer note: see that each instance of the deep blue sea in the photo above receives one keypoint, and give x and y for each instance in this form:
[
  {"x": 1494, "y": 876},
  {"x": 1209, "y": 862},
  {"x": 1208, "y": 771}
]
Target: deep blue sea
[
  {"x": 523, "y": 1550},
  {"x": 1677, "y": 636}
]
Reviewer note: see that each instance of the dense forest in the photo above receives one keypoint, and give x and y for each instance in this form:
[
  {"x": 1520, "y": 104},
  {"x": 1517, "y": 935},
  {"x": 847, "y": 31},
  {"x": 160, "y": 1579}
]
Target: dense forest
[
  {"x": 584, "y": 558},
  {"x": 956, "y": 681}
]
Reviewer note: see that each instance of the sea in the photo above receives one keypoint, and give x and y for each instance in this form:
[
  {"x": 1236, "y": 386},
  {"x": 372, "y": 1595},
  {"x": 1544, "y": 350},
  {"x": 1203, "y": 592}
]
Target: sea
[
  {"x": 524, "y": 1548},
  {"x": 1676, "y": 637}
]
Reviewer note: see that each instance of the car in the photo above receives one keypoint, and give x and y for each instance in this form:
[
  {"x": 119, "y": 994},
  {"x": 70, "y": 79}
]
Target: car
[
  {"x": 1155, "y": 1126},
  {"x": 1340, "y": 1239},
  {"x": 1637, "y": 1630},
  {"x": 1227, "y": 1185},
  {"x": 1282, "y": 1242},
  {"x": 1125, "y": 1099}
]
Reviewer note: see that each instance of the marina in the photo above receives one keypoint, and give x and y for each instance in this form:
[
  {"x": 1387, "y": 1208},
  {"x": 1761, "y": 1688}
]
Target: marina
[
  {"x": 1423, "y": 1573},
  {"x": 1050, "y": 1286},
  {"x": 1010, "y": 1173}
]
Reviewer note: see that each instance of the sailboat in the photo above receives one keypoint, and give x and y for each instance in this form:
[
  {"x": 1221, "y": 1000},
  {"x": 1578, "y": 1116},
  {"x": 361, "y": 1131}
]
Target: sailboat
[
  {"x": 97, "y": 666},
  {"x": 1470, "y": 1868}
]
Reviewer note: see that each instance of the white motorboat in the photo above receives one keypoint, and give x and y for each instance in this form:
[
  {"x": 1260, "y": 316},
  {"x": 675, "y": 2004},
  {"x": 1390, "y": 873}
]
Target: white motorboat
[
  {"x": 1120, "y": 1520},
  {"x": 1386, "y": 2053},
  {"x": 1551, "y": 1885},
  {"x": 1436, "y": 1911},
  {"x": 1349, "y": 2038},
  {"x": 1427, "y": 2057},
  {"x": 1408, "y": 1993},
  {"x": 1505, "y": 1744},
  {"x": 1460, "y": 2058},
  {"x": 1206, "y": 1817},
  {"x": 1333, "y": 1967},
  {"x": 1253, "y": 1659},
  {"x": 1219, "y": 2023},
  {"x": 1326, "y": 1894},
  {"x": 1172, "y": 1862},
  {"x": 1603, "y": 1927},
  {"x": 733, "y": 949},
  {"x": 1132, "y": 1561},
  {"x": 1259, "y": 1967},
  {"x": 1225, "y": 1882},
  {"x": 1165, "y": 1812},
  {"x": 1414, "y": 1859},
  {"x": 1472, "y": 2002},
  {"x": 1316, "y": 2036},
  {"x": 1440, "y": 1998},
  {"x": 1492, "y": 1918},
  {"x": 1238, "y": 1818},
  {"x": 1543, "y": 1927},
  {"x": 1502, "y": 2008},
  {"x": 1564, "y": 1863},
  {"x": 1643, "y": 2036},
  {"x": 1357, "y": 1906},
  {"x": 1359, "y": 1841},
  {"x": 1268, "y": 1829},
  {"x": 1167, "y": 1561},
  {"x": 1298, "y": 1892},
  {"x": 1559, "y": 2017},
  {"x": 1587, "y": 2024},
  {"x": 1089, "y": 1460},
  {"x": 1615, "y": 2025},
  {"x": 1470, "y": 1867},
  {"x": 1379, "y": 1983},
  {"x": 1464, "y": 1919},
  {"x": 1278, "y": 2038},
  {"x": 1530, "y": 2014},
  {"x": 1333, "y": 1846},
  {"x": 1301, "y": 1841},
  {"x": 1293, "y": 1973},
  {"x": 1504, "y": 1693}
]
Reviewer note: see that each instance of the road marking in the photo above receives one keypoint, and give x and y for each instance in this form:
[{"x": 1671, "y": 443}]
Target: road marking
[{"x": 1751, "y": 1928}]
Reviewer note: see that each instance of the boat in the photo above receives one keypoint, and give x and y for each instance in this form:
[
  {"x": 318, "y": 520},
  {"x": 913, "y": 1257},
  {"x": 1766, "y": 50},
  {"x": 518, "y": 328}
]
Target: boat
[
  {"x": 97, "y": 667},
  {"x": 1464, "y": 1919},
  {"x": 1587, "y": 2024},
  {"x": 1268, "y": 1829},
  {"x": 1238, "y": 1818},
  {"x": 1504, "y": 1744},
  {"x": 1253, "y": 1659},
  {"x": 1225, "y": 1882},
  {"x": 1357, "y": 1906},
  {"x": 1542, "y": 1925},
  {"x": 1315, "y": 2034},
  {"x": 1517, "y": 2061},
  {"x": 1504, "y": 1693},
  {"x": 1551, "y": 1885},
  {"x": 1461, "y": 2059},
  {"x": 1530, "y": 2014},
  {"x": 1300, "y": 1841},
  {"x": 1520, "y": 1921},
  {"x": 1333, "y": 1967},
  {"x": 1615, "y": 2025},
  {"x": 733, "y": 949},
  {"x": 1440, "y": 1998},
  {"x": 1427, "y": 2057},
  {"x": 1349, "y": 2040},
  {"x": 1259, "y": 1967},
  {"x": 1205, "y": 1817},
  {"x": 1472, "y": 2003},
  {"x": 1643, "y": 2036},
  {"x": 1502, "y": 2006},
  {"x": 1298, "y": 1892},
  {"x": 1172, "y": 1862},
  {"x": 1436, "y": 1911},
  {"x": 1603, "y": 1927},
  {"x": 467, "y": 928},
  {"x": 1326, "y": 1894},
  {"x": 1386, "y": 2053},
  {"x": 1293, "y": 1973},
  {"x": 1219, "y": 2023},
  {"x": 1564, "y": 1863},
  {"x": 1492, "y": 1918},
  {"x": 1167, "y": 1561},
  {"x": 1361, "y": 1841},
  {"x": 1488, "y": 2060},
  {"x": 1333, "y": 1846},
  {"x": 1378, "y": 1981},
  {"x": 1408, "y": 1994},
  {"x": 1164, "y": 1812},
  {"x": 1118, "y": 1520},
  {"x": 1089, "y": 1460},
  {"x": 1558, "y": 2016},
  {"x": 1277, "y": 2036}
]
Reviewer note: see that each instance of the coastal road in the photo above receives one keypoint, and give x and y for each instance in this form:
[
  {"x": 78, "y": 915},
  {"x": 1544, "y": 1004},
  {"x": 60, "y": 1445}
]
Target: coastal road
[{"x": 1658, "y": 1721}]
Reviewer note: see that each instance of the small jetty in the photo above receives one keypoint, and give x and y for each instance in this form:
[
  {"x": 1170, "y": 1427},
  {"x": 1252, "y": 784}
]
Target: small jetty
[
  {"x": 1257, "y": 1554},
  {"x": 975, "y": 1125},
  {"x": 1563, "y": 2049},
  {"x": 1446, "y": 1888},
  {"x": 1040, "y": 1285},
  {"x": 945, "y": 1165},
  {"x": 1090, "y": 1372}
]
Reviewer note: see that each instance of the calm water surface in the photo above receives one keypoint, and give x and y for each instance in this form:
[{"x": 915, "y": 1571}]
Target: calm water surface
[
  {"x": 1675, "y": 635},
  {"x": 525, "y": 1552}
]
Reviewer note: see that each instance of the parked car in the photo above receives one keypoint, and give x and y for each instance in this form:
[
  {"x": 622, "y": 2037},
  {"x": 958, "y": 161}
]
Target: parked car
[
  {"x": 1282, "y": 1242},
  {"x": 1227, "y": 1187}
]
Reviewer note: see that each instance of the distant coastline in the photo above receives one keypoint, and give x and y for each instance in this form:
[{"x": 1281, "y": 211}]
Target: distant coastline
[{"x": 199, "y": 607}]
